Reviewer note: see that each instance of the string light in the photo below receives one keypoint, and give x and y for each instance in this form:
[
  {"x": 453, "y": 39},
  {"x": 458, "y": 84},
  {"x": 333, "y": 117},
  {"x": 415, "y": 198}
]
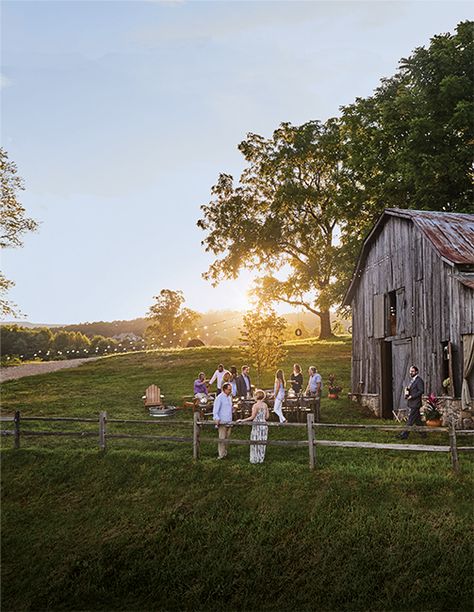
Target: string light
[{"x": 167, "y": 340}]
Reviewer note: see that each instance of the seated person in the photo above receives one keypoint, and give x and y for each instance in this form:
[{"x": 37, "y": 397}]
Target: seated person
[{"x": 200, "y": 386}]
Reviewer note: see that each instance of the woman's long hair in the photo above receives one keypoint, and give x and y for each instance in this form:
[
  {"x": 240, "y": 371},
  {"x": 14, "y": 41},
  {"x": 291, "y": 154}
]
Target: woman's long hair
[{"x": 281, "y": 377}]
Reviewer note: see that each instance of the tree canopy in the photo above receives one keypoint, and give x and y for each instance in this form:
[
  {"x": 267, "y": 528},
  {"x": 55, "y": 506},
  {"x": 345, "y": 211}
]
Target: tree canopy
[
  {"x": 409, "y": 145},
  {"x": 171, "y": 322},
  {"x": 14, "y": 222}
]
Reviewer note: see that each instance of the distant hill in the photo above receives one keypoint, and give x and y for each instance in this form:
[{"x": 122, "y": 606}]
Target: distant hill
[
  {"x": 31, "y": 325},
  {"x": 219, "y": 327}
]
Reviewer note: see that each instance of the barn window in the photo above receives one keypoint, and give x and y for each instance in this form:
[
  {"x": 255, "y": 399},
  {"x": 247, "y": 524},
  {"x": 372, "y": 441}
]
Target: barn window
[{"x": 392, "y": 313}]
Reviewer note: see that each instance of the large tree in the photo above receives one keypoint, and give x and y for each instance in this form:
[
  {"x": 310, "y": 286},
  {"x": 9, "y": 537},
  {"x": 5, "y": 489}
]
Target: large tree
[
  {"x": 409, "y": 145},
  {"x": 281, "y": 218},
  {"x": 170, "y": 321},
  {"x": 14, "y": 222},
  {"x": 310, "y": 194}
]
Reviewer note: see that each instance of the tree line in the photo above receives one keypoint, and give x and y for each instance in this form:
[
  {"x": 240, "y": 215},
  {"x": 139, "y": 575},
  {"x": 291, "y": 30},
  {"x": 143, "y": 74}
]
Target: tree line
[
  {"x": 45, "y": 344},
  {"x": 309, "y": 194}
]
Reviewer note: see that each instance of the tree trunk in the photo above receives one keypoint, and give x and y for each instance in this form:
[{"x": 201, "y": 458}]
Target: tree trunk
[{"x": 326, "y": 331}]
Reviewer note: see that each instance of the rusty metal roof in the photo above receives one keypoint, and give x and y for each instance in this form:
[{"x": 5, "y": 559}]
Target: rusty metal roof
[
  {"x": 451, "y": 234},
  {"x": 466, "y": 279}
]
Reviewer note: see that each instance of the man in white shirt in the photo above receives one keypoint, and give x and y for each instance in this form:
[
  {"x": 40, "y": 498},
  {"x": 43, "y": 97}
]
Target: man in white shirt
[
  {"x": 218, "y": 376},
  {"x": 222, "y": 415}
]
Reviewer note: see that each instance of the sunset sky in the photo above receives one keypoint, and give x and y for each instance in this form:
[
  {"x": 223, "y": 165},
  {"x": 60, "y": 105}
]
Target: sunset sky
[{"x": 120, "y": 116}]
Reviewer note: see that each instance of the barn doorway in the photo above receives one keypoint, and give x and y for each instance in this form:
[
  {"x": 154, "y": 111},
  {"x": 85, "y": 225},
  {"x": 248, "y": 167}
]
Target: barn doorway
[
  {"x": 395, "y": 361},
  {"x": 386, "y": 394}
]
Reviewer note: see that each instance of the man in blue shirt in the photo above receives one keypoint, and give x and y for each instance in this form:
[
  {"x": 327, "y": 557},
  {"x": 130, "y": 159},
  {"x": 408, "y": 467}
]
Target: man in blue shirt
[
  {"x": 222, "y": 415},
  {"x": 315, "y": 382}
]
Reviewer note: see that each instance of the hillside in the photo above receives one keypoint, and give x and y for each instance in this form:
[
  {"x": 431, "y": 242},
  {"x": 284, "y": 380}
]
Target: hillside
[{"x": 142, "y": 527}]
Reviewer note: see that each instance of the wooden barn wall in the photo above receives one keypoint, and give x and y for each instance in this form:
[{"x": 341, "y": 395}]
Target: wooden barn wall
[{"x": 432, "y": 306}]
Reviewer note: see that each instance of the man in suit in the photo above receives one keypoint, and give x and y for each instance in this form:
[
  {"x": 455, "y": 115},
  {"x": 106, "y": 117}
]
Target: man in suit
[
  {"x": 244, "y": 385},
  {"x": 413, "y": 395}
]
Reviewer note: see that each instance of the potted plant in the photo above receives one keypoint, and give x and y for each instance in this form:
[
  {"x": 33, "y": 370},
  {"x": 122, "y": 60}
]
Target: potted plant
[
  {"x": 432, "y": 412},
  {"x": 447, "y": 385},
  {"x": 333, "y": 388}
]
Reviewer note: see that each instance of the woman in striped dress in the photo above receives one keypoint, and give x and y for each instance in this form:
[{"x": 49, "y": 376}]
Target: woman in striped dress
[{"x": 259, "y": 414}]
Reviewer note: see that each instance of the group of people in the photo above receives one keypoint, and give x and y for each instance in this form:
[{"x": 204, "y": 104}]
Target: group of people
[
  {"x": 229, "y": 385},
  {"x": 241, "y": 385}
]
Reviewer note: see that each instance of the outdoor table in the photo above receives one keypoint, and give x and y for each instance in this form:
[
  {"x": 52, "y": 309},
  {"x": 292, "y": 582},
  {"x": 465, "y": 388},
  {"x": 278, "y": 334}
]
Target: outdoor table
[
  {"x": 243, "y": 407},
  {"x": 311, "y": 404}
]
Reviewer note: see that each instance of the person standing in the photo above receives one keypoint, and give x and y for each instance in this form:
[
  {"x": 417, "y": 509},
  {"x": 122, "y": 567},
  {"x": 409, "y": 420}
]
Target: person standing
[
  {"x": 279, "y": 392},
  {"x": 413, "y": 395},
  {"x": 259, "y": 432},
  {"x": 296, "y": 379},
  {"x": 233, "y": 380},
  {"x": 222, "y": 415},
  {"x": 315, "y": 382},
  {"x": 218, "y": 378},
  {"x": 244, "y": 385}
]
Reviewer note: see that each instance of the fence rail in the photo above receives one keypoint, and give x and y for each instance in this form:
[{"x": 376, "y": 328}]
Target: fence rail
[{"x": 311, "y": 442}]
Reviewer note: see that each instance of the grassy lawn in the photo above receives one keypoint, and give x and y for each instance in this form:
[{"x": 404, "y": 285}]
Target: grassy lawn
[{"x": 142, "y": 527}]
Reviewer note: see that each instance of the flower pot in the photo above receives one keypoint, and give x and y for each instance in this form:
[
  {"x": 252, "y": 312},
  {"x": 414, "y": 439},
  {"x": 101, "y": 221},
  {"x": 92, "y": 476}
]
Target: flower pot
[
  {"x": 333, "y": 396},
  {"x": 434, "y": 423}
]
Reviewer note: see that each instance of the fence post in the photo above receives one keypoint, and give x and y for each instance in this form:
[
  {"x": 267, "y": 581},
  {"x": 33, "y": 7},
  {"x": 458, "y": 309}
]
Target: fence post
[
  {"x": 16, "y": 420},
  {"x": 310, "y": 422},
  {"x": 102, "y": 430},
  {"x": 453, "y": 445},
  {"x": 196, "y": 436}
]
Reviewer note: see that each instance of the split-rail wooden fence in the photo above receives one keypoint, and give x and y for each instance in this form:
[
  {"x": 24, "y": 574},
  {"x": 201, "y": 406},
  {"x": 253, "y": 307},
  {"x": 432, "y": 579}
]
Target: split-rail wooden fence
[{"x": 312, "y": 440}]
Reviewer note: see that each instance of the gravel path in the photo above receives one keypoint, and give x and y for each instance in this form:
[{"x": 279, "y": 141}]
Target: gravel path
[{"x": 30, "y": 369}]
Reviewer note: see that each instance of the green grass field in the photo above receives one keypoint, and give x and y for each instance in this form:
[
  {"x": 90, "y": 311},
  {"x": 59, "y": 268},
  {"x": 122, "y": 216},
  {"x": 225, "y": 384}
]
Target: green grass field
[{"x": 142, "y": 527}]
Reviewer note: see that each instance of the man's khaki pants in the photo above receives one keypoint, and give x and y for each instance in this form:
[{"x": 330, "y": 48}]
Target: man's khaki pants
[{"x": 224, "y": 433}]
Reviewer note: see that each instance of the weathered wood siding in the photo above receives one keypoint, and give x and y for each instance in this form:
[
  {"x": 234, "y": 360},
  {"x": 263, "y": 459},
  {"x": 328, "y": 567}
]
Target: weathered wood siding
[{"x": 432, "y": 307}]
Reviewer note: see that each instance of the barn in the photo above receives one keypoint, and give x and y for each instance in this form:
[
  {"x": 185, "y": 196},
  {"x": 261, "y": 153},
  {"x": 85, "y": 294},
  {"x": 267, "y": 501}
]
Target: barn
[{"x": 412, "y": 301}]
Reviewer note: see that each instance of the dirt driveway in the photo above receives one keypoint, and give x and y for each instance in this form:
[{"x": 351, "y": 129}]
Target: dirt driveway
[{"x": 30, "y": 369}]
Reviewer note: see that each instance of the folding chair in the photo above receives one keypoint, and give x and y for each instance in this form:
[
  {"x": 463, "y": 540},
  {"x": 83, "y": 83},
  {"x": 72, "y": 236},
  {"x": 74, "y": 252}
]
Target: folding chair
[{"x": 401, "y": 414}]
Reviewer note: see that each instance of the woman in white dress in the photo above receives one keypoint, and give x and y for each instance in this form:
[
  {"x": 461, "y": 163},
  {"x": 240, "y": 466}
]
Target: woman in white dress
[
  {"x": 259, "y": 414},
  {"x": 279, "y": 391}
]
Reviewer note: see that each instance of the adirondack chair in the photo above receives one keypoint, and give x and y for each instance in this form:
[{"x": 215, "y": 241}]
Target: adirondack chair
[{"x": 152, "y": 397}]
